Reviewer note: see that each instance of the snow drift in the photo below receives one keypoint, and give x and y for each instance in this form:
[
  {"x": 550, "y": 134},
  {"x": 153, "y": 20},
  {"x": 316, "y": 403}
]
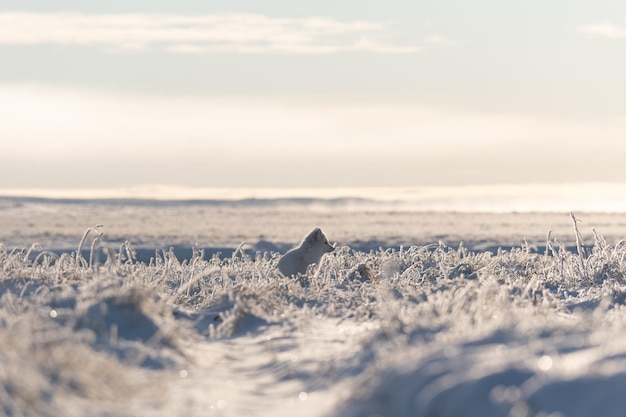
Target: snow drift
[{"x": 425, "y": 330}]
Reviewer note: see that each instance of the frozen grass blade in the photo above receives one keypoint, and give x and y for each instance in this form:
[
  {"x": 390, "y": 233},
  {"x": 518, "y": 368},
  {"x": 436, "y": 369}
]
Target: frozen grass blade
[
  {"x": 79, "y": 257},
  {"x": 580, "y": 247}
]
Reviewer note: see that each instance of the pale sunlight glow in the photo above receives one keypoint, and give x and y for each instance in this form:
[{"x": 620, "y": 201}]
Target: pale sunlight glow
[
  {"x": 33, "y": 117},
  {"x": 362, "y": 142},
  {"x": 604, "y": 30}
]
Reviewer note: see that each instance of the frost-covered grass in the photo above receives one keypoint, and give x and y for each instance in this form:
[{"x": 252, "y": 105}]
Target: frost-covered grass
[{"x": 420, "y": 331}]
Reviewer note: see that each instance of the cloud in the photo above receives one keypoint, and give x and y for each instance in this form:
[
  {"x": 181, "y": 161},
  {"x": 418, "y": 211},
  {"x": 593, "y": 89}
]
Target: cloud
[
  {"x": 213, "y": 33},
  {"x": 604, "y": 30}
]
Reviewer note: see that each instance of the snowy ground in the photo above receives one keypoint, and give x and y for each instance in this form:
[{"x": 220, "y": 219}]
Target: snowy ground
[
  {"x": 401, "y": 320},
  {"x": 269, "y": 225}
]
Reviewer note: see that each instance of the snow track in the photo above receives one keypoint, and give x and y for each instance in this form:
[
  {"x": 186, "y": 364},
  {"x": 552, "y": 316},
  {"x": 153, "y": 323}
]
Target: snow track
[{"x": 270, "y": 370}]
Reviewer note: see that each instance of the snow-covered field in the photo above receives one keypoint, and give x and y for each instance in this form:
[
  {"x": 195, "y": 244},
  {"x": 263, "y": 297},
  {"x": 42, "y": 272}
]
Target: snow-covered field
[{"x": 165, "y": 312}]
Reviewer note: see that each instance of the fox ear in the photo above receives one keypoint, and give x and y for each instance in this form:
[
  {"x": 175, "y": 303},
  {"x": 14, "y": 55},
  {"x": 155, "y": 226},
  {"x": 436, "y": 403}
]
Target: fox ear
[
  {"x": 317, "y": 232},
  {"x": 313, "y": 235}
]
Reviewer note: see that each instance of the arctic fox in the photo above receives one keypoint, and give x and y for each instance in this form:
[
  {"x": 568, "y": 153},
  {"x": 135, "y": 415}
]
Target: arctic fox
[{"x": 310, "y": 251}]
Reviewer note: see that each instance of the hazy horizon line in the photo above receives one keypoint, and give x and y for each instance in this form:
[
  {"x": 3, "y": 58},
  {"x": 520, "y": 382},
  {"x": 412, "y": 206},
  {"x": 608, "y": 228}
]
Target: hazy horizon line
[{"x": 502, "y": 197}]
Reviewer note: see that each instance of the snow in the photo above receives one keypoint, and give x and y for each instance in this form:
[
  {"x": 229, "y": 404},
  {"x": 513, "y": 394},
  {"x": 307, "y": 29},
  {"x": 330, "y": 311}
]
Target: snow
[
  {"x": 269, "y": 370},
  {"x": 401, "y": 319}
]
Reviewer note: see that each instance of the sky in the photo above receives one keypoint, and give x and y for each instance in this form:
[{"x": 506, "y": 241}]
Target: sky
[{"x": 318, "y": 94}]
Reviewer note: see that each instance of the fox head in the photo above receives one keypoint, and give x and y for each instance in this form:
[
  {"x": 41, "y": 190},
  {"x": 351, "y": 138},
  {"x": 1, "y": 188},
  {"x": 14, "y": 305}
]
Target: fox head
[{"x": 318, "y": 239}]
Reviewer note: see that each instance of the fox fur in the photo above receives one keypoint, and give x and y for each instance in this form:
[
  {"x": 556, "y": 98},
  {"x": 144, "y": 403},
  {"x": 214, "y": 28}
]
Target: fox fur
[{"x": 310, "y": 252}]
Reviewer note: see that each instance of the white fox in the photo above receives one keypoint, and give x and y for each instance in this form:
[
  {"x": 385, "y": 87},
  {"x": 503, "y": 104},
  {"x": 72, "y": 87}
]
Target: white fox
[{"x": 310, "y": 252}]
